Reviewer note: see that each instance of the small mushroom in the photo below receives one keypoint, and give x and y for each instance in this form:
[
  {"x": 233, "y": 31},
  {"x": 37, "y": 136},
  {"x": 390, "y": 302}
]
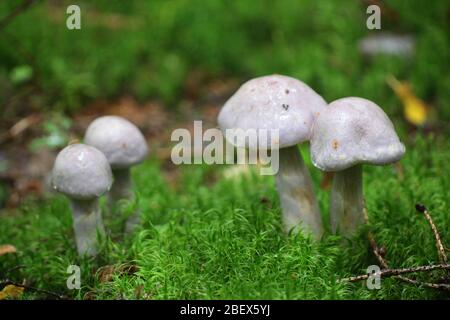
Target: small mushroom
[
  {"x": 83, "y": 174},
  {"x": 348, "y": 133},
  {"x": 290, "y": 106},
  {"x": 124, "y": 146}
]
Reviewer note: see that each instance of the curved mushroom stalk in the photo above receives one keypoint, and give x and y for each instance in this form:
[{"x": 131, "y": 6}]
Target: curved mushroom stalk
[
  {"x": 87, "y": 226},
  {"x": 296, "y": 193},
  {"x": 346, "y": 211},
  {"x": 122, "y": 188}
]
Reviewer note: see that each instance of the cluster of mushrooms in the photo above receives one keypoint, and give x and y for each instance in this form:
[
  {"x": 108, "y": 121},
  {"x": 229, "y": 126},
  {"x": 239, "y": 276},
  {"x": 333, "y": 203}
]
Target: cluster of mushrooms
[
  {"x": 84, "y": 172},
  {"x": 343, "y": 135}
]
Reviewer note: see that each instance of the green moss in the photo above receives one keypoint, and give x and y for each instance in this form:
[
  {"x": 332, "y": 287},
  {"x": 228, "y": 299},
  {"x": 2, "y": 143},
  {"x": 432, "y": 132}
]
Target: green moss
[
  {"x": 221, "y": 241},
  {"x": 149, "y": 48}
]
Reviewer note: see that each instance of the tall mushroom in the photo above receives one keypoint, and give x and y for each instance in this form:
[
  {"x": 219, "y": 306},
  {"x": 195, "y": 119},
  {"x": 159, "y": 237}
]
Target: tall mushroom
[
  {"x": 124, "y": 146},
  {"x": 290, "y": 106},
  {"x": 350, "y": 132},
  {"x": 83, "y": 174}
]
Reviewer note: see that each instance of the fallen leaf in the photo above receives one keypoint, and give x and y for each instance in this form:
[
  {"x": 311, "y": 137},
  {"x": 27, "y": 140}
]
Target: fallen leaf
[
  {"x": 414, "y": 109},
  {"x": 90, "y": 295},
  {"x": 7, "y": 248},
  {"x": 106, "y": 273},
  {"x": 11, "y": 291}
]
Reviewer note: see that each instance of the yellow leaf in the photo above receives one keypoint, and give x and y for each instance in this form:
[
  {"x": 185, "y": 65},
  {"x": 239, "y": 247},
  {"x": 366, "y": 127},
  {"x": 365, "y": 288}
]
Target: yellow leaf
[
  {"x": 7, "y": 248},
  {"x": 11, "y": 291},
  {"x": 414, "y": 109}
]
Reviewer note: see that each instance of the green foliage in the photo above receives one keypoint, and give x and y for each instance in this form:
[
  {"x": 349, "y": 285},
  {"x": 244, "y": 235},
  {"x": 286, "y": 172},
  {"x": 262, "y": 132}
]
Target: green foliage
[
  {"x": 148, "y": 48},
  {"x": 55, "y": 133},
  {"x": 221, "y": 241}
]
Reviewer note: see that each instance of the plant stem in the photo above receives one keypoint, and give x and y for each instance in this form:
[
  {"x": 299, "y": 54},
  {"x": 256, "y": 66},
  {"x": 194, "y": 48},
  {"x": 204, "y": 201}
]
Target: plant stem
[
  {"x": 395, "y": 272},
  {"x": 87, "y": 222},
  {"x": 346, "y": 212},
  {"x": 440, "y": 247},
  {"x": 297, "y": 197},
  {"x": 122, "y": 188}
]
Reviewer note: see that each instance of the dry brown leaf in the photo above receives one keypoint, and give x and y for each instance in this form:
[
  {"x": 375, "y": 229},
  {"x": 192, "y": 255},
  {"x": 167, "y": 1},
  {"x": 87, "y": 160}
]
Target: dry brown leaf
[
  {"x": 7, "y": 248},
  {"x": 11, "y": 292},
  {"x": 106, "y": 273}
]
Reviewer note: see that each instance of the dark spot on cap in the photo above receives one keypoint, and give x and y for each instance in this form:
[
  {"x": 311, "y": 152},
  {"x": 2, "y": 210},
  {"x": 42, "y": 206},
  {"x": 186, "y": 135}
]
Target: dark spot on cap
[
  {"x": 286, "y": 91},
  {"x": 285, "y": 106}
]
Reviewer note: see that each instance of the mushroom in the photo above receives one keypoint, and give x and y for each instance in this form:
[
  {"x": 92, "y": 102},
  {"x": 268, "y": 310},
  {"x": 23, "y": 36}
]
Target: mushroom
[
  {"x": 83, "y": 174},
  {"x": 124, "y": 146},
  {"x": 289, "y": 106},
  {"x": 350, "y": 132}
]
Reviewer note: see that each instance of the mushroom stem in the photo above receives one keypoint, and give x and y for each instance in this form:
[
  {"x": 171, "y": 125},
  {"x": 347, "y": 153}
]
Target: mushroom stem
[
  {"x": 297, "y": 198},
  {"x": 346, "y": 211},
  {"x": 87, "y": 224},
  {"x": 122, "y": 188}
]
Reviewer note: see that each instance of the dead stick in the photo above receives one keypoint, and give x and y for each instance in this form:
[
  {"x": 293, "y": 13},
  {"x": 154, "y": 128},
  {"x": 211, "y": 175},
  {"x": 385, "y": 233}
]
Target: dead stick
[
  {"x": 384, "y": 265},
  {"x": 394, "y": 272},
  {"x": 10, "y": 282},
  {"x": 441, "y": 251},
  {"x": 18, "y": 10}
]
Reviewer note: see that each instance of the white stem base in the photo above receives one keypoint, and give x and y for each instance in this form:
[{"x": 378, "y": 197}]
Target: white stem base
[
  {"x": 295, "y": 188},
  {"x": 346, "y": 211},
  {"x": 87, "y": 224}
]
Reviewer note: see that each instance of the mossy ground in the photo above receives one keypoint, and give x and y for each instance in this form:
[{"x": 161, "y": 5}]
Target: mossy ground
[
  {"x": 207, "y": 236},
  {"x": 223, "y": 239}
]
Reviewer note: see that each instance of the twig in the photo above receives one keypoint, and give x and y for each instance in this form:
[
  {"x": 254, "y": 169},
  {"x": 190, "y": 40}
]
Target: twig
[
  {"x": 20, "y": 266},
  {"x": 394, "y": 272},
  {"x": 440, "y": 247},
  {"x": 6, "y": 282},
  {"x": 18, "y": 10},
  {"x": 379, "y": 255},
  {"x": 9, "y": 282},
  {"x": 19, "y": 127}
]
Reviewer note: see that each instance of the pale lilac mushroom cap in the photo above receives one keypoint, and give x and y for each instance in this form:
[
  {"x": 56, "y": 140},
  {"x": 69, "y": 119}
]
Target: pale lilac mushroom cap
[
  {"x": 81, "y": 172},
  {"x": 273, "y": 102},
  {"x": 354, "y": 131},
  {"x": 120, "y": 140}
]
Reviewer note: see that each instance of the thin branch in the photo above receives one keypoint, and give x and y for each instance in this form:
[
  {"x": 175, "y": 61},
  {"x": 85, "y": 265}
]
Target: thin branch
[
  {"x": 17, "y": 10},
  {"x": 379, "y": 253},
  {"x": 20, "y": 266},
  {"x": 440, "y": 247},
  {"x": 6, "y": 282},
  {"x": 27, "y": 287},
  {"x": 394, "y": 272}
]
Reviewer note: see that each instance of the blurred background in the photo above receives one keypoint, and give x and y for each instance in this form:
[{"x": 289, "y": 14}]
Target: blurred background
[{"x": 163, "y": 64}]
